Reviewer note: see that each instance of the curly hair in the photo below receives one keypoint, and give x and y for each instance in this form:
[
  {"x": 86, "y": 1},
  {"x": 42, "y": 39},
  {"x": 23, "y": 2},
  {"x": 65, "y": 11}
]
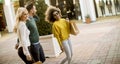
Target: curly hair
[{"x": 49, "y": 13}]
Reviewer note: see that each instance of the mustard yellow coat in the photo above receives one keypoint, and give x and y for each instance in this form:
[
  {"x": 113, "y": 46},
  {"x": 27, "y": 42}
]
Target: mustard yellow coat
[{"x": 61, "y": 30}]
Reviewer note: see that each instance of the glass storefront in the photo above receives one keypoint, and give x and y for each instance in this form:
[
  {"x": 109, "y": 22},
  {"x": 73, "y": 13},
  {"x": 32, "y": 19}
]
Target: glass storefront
[
  {"x": 2, "y": 18},
  {"x": 107, "y": 7},
  {"x": 77, "y": 9},
  {"x": 69, "y": 8}
]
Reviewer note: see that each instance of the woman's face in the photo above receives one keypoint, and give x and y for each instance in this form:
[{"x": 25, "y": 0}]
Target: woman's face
[
  {"x": 24, "y": 16},
  {"x": 56, "y": 15}
]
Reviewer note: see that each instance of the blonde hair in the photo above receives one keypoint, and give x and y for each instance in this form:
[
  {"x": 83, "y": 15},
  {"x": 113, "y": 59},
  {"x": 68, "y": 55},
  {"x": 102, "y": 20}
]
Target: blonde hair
[
  {"x": 19, "y": 13},
  {"x": 49, "y": 13}
]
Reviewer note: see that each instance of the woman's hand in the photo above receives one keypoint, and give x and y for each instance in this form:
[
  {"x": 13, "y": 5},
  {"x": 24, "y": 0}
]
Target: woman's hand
[
  {"x": 28, "y": 57},
  {"x": 67, "y": 19},
  {"x": 16, "y": 46}
]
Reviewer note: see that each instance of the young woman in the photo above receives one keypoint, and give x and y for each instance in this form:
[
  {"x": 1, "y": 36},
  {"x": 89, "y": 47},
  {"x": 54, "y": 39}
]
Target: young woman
[
  {"x": 61, "y": 31},
  {"x": 23, "y": 35}
]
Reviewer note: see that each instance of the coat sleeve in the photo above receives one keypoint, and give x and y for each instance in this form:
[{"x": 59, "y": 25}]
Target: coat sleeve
[
  {"x": 56, "y": 33},
  {"x": 36, "y": 18}
]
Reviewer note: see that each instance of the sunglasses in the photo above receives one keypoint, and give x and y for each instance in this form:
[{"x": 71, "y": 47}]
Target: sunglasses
[{"x": 55, "y": 14}]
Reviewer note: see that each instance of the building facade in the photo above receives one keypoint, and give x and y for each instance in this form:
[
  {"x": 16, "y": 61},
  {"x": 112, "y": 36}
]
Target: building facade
[
  {"x": 93, "y": 8},
  {"x": 8, "y": 8},
  {"x": 74, "y": 9}
]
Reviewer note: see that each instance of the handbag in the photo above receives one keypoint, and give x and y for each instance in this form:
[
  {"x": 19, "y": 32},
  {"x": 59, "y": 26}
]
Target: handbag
[{"x": 73, "y": 28}]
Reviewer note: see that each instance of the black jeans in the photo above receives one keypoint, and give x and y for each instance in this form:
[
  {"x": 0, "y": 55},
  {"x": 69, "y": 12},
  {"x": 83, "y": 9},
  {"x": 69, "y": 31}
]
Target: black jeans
[
  {"x": 37, "y": 52},
  {"x": 22, "y": 56}
]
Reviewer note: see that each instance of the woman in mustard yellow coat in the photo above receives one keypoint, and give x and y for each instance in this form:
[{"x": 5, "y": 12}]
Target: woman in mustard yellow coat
[{"x": 60, "y": 30}]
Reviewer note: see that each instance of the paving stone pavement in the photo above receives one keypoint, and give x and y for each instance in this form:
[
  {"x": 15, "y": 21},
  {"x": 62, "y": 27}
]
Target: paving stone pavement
[{"x": 97, "y": 43}]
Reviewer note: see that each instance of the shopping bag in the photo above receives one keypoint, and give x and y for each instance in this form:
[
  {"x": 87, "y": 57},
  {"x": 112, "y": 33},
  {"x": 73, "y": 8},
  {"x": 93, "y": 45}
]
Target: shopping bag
[
  {"x": 38, "y": 62},
  {"x": 73, "y": 28}
]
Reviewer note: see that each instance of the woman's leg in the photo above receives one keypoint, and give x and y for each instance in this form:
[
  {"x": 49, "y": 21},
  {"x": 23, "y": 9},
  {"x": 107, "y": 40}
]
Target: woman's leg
[
  {"x": 70, "y": 45},
  {"x": 67, "y": 52}
]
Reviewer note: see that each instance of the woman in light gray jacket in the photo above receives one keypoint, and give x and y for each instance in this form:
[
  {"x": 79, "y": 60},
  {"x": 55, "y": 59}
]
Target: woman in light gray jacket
[{"x": 23, "y": 35}]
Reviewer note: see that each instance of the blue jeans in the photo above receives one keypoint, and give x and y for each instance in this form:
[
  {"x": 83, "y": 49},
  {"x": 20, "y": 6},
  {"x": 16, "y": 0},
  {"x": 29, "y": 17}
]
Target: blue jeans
[{"x": 37, "y": 53}]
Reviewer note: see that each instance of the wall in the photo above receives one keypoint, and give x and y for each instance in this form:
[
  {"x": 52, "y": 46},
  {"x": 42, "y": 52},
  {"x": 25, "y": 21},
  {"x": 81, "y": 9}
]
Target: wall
[
  {"x": 87, "y": 8},
  {"x": 106, "y": 9}
]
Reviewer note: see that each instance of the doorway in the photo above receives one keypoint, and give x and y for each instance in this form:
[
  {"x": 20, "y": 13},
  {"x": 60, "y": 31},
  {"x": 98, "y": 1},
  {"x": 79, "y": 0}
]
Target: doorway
[
  {"x": 2, "y": 18},
  {"x": 69, "y": 8},
  {"x": 107, "y": 7}
]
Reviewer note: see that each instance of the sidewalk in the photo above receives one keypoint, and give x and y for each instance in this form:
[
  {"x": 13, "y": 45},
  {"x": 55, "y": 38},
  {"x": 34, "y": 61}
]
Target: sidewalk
[{"x": 97, "y": 43}]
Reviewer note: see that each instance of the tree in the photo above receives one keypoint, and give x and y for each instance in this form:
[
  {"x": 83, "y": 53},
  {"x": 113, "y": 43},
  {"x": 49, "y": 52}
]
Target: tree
[{"x": 44, "y": 27}]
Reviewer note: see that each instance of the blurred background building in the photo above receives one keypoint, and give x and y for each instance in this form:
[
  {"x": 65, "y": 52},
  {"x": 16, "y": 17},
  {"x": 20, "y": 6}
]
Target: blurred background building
[{"x": 73, "y": 9}]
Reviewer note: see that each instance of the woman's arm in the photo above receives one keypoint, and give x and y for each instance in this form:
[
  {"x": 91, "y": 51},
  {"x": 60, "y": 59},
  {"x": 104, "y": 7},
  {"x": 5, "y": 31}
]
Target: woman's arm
[
  {"x": 56, "y": 33},
  {"x": 23, "y": 39}
]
